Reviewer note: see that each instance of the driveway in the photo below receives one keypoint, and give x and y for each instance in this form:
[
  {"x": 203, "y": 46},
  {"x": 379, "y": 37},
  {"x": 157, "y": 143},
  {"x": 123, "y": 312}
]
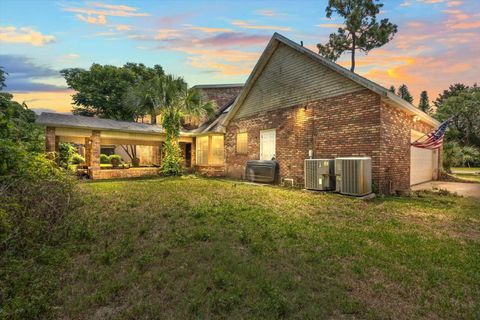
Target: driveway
[{"x": 462, "y": 189}]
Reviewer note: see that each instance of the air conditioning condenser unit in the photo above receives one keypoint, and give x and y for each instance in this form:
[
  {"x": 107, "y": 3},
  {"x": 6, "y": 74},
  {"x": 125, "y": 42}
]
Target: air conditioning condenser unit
[
  {"x": 353, "y": 175},
  {"x": 319, "y": 174}
]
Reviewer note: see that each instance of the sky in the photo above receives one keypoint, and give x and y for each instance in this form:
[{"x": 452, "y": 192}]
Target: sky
[{"x": 211, "y": 42}]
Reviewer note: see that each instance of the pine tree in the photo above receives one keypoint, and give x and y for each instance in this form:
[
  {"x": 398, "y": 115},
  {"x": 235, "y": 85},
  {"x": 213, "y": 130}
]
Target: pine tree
[
  {"x": 392, "y": 89},
  {"x": 424, "y": 103},
  {"x": 361, "y": 31},
  {"x": 404, "y": 93}
]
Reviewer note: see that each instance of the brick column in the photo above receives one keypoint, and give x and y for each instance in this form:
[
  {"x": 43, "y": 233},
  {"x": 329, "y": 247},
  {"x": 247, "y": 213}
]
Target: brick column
[
  {"x": 155, "y": 155},
  {"x": 92, "y": 151},
  {"x": 51, "y": 144}
]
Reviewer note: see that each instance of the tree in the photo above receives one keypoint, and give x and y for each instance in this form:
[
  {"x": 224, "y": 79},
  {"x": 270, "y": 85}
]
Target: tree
[
  {"x": 361, "y": 30},
  {"x": 100, "y": 90},
  {"x": 464, "y": 109},
  {"x": 392, "y": 89},
  {"x": 2, "y": 78},
  {"x": 453, "y": 90},
  {"x": 179, "y": 102},
  {"x": 147, "y": 97},
  {"x": 424, "y": 103},
  {"x": 404, "y": 93}
]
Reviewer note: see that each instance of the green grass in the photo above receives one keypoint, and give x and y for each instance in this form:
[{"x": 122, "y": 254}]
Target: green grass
[
  {"x": 180, "y": 248},
  {"x": 466, "y": 174},
  {"x": 466, "y": 170},
  {"x": 467, "y": 177}
]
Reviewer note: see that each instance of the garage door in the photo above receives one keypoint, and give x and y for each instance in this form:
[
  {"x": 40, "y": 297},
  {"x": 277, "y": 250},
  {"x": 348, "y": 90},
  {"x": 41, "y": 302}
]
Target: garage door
[{"x": 422, "y": 162}]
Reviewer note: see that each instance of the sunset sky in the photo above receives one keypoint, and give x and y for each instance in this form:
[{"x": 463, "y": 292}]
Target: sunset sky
[{"x": 438, "y": 42}]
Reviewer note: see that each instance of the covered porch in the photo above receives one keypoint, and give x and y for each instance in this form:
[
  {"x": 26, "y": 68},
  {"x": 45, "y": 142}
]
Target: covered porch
[{"x": 92, "y": 135}]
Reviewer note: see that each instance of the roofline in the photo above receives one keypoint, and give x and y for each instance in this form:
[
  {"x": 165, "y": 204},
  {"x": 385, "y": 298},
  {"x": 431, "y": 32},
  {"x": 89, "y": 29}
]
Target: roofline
[
  {"x": 224, "y": 85},
  {"x": 54, "y": 125},
  {"x": 41, "y": 122},
  {"x": 270, "y": 49}
]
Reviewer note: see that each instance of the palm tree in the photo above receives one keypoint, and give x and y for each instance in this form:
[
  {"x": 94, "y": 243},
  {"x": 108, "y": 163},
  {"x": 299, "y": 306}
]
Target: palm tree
[
  {"x": 169, "y": 97},
  {"x": 147, "y": 97},
  {"x": 180, "y": 101}
]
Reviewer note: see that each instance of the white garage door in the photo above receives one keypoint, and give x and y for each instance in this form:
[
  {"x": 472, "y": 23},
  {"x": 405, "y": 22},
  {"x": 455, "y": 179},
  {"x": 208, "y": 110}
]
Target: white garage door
[{"x": 422, "y": 162}]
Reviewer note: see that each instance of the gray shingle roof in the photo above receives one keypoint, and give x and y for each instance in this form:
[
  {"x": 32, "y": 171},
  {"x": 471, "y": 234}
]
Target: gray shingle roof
[
  {"x": 82, "y": 122},
  {"x": 221, "y": 85}
]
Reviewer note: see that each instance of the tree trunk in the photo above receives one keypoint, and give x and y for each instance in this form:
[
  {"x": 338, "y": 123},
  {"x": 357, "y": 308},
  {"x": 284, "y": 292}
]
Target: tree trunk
[
  {"x": 153, "y": 119},
  {"x": 352, "y": 68}
]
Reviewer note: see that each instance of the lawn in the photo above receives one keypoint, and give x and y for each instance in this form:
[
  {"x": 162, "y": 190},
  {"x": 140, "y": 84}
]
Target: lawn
[
  {"x": 180, "y": 248},
  {"x": 467, "y": 174}
]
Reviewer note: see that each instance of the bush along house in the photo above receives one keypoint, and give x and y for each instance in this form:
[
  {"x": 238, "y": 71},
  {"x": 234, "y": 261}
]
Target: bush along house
[{"x": 294, "y": 105}]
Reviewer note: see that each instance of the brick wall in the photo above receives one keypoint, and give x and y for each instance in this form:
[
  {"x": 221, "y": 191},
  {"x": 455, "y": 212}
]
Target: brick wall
[
  {"x": 220, "y": 95},
  {"x": 354, "y": 124},
  {"x": 100, "y": 174},
  {"x": 210, "y": 170}
]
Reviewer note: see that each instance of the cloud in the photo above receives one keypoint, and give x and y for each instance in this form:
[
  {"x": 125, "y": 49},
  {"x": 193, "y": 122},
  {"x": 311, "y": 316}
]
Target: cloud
[
  {"x": 246, "y": 25},
  {"x": 167, "y": 34},
  {"x": 24, "y": 35},
  {"x": 330, "y": 25},
  {"x": 123, "y": 27},
  {"x": 454, "y": 3},
  {"x": 269, "y": 13},
  {"x": 47, "y": 101},
  {"x": 426, "y": 55},
  {"x": 25, "y": 76},
  {"x": 97, "y": 12},
  {"x": 233, "y": 39},
  {"x": 100, "y": 19},
  {"x": 207, "y": 29}
]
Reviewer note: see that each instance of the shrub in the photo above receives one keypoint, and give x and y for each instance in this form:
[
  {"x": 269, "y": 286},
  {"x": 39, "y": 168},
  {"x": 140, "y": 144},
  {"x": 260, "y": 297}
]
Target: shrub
[
  {"x": 115, "y": 157},
  {"x": 66, "y": 153},
  {"x": 35, "y": 200},
  {"x": 104, "y": 159},
  {"x": 455, "y": 155},
  {"x": 77, "y": 159}
]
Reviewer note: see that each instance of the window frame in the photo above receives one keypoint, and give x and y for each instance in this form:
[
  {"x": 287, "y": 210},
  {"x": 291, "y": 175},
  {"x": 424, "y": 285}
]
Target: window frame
[{"x": 237, "y": 143}]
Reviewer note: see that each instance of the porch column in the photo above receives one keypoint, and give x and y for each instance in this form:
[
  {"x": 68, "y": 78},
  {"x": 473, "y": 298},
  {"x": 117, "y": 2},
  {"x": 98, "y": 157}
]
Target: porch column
[
  {"x": 92, "y": 151},
  {"x": 51, "y": 144}
]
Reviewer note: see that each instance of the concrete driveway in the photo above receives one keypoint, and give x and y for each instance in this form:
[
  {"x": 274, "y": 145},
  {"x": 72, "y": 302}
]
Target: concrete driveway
[{"x": 462, "y": 189}]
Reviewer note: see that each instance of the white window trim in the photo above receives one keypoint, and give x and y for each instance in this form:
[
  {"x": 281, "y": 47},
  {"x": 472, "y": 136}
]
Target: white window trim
[{"x": 274, "y": 142}]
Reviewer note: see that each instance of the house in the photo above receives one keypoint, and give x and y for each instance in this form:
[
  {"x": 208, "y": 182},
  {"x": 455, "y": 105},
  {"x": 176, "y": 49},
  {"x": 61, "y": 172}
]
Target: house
[{"x": 296, "y": 102}]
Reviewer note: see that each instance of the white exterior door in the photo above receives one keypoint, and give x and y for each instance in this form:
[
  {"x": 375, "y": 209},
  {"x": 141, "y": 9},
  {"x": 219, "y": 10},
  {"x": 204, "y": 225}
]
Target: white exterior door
[
  {"x": 422, "y": 162},
  {"x": 267, "y": 144}
]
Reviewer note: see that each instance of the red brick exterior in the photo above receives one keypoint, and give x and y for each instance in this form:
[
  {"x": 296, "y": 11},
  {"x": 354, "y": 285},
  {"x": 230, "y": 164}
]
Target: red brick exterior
[
  {"x": 355, "y": 124},
  {"x": 221, "y": 96},
  {"x": 51, "y": 144},
  {"x": 210, "y": 170},
  {"x": 123, "y": 173}
]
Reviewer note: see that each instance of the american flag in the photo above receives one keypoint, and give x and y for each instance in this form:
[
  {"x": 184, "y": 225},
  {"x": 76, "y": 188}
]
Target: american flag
[{"x": 434, "y": 139}]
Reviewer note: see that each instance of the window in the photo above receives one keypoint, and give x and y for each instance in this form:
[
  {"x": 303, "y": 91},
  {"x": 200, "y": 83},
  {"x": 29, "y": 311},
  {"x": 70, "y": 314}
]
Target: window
[
  {"x": 202, "y": 150},
  {"x": 242, "y": 139},
  {"x": 217, "y": 150}
]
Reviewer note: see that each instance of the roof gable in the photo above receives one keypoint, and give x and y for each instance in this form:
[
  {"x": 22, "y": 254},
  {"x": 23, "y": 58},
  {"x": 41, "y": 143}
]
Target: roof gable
[
  {"x": 291, "y": 78},
  {"x": 277, "y": 39}
]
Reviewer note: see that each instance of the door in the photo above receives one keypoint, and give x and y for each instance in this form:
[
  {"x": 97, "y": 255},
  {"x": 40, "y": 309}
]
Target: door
[
  {"x": 188, "y": 155},
  {"x": 422, "y": 162},
  {"x": 267, "y": 144}
]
